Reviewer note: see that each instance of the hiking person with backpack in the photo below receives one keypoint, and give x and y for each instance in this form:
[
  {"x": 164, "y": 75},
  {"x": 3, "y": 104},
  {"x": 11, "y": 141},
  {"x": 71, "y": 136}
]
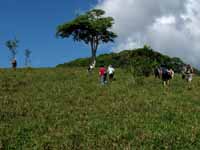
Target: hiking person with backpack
[
  {"x": 166, "y": 74},
  {"x": 165, "y": 77},
  {"x": 189, "y": 73}
]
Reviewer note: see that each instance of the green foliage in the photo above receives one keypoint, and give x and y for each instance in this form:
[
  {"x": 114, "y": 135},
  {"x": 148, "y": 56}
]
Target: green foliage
[
  {"x": 147, "y": 47},
  {"x": 63, "y": 108},
  {"x": 143, "y": 60},
  {"x": 92, "y": 28},
  {"x": 88, "y": 26}
]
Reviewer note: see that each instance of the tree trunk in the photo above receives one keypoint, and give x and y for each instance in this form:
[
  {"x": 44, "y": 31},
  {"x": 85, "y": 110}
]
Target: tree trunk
[
  {"x": 93, "y": 61},
  {"x": 94, "y": 46}
]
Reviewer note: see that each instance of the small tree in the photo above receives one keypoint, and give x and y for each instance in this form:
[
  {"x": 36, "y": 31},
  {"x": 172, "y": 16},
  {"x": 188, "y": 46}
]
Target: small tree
[
  {"x": 92, "y": 28},
  {"x": 147, "y": 47},
  {"x": 12, "y": 46},
  {"x": 27, "y": 54}
]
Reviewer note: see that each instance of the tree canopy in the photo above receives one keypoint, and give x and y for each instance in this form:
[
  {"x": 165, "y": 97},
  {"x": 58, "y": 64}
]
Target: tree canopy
[{"x": 92, "y": 27}]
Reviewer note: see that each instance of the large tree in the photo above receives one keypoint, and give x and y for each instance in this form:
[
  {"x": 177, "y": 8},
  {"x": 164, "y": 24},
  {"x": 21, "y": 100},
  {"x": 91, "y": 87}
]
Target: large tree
[{"x": 93, "y": 28}]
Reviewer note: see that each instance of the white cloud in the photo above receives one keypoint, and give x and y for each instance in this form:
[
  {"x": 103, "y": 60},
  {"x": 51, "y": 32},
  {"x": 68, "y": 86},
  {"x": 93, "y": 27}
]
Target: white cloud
[
  {"x": 170, "y": 26},
  {"x": 166, "y": 20}
]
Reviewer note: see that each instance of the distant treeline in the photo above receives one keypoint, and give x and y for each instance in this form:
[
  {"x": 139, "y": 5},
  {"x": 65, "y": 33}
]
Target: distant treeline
[{"x": 141, "y": 61}]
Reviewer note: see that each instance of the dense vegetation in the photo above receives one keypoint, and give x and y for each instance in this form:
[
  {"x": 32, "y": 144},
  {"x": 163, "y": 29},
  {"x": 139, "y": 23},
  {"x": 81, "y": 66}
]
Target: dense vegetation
[
  {"x": 142, "y": 61},
  {"x": 64, "y": 108}
]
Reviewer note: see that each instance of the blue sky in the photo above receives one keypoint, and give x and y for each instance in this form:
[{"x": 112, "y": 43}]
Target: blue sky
[{"x": 34, "y": 24}]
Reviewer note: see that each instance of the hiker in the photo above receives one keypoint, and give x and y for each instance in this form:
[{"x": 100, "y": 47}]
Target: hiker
[
  {"x": 166, "y": 74},
  {"x": 91, "y": 67},
  {"x": 103, "y": 75},
  {"x": 171, "y": 73},
  {"x": 14, "y": 63},
  {"x": 111, "y": 72},
  {"x": 189, "y": 73}
]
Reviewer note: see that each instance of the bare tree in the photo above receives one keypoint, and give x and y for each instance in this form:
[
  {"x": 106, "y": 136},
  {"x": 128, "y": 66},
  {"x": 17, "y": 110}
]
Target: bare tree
[
  {"x": 27, "y": 54},
  {"x": 12, "y": 47}
]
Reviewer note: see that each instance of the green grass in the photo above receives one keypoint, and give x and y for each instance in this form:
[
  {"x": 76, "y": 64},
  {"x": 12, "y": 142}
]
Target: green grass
[{"x": 67, "y": 109}]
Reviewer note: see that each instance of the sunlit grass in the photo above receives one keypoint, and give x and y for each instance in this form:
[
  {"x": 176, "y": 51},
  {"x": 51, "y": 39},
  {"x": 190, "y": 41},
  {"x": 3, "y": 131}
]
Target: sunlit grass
[{"x": 67, "y": 109}]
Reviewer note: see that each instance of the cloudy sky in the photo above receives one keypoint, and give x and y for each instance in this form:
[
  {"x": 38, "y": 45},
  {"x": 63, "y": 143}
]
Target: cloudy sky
[{"x": 169, "y": 26}]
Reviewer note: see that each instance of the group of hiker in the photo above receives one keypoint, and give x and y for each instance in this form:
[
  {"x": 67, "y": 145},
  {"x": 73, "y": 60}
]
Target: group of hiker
[
  {"x": 103, "y": 72},
  {"x": 167, "y": 74},
  {"x": 162, "y": 72}
]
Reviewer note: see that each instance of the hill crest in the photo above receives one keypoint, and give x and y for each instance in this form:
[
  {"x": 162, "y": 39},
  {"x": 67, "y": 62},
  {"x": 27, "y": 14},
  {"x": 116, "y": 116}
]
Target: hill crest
[{"x": 142, "y": 59}]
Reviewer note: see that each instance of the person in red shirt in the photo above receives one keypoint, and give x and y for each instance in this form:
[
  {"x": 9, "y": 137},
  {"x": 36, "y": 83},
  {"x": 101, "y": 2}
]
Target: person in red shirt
[{"x": 102, "y": 74}]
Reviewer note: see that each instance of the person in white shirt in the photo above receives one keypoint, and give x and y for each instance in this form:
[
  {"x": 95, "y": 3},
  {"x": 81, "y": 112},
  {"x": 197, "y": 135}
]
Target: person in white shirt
[{"x": 111, "y": 72}]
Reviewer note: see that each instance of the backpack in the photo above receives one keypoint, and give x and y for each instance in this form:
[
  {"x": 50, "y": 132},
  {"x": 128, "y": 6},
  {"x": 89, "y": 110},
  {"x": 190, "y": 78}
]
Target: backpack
[
  {"x": 189, "y": 70},
  {"x": 164, "y": 71}
]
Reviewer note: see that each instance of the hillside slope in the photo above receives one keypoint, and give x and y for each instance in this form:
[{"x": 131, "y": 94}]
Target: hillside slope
[
  {"x": 64, "y": 108},
  {"x": 142, "y": 59}
]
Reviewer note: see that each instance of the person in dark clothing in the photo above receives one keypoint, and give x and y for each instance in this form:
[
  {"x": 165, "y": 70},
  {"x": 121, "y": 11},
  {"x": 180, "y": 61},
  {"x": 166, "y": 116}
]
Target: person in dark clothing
[
  {"x": 14, "y": 63},
  {"x": 166, "y": 74}
]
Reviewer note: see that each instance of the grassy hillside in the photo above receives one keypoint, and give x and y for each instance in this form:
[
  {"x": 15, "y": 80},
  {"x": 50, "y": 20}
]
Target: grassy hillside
[
  {"x": 65, "y": 108},
  {"x": 143, "y": 60}
]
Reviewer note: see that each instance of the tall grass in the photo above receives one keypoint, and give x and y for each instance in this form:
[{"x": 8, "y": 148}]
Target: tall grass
[{"x": 67, "y": 109}]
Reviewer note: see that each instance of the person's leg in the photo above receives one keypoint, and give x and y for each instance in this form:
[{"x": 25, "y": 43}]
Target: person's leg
[
  {"x": 111, "y": 77},
  {"x": 14, "y": 66},
  {"x": 190, "y": 78},
  {"x": 167, "y": 82},
  {"x": 105, "y": 78},
  {"x": 101, "y": 80},
  {"x": 186, "y": 78},
  {"x": 183, "y": 76},
  {"x": 163, "y": 79},
  {"x": 164, "y": 83},
  {"x": 88, "y": 70},
  {"x": 190, "y": 81}
]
